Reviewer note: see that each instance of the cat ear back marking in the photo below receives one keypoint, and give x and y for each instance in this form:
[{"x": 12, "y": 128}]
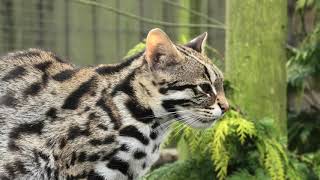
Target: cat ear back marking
[{"x": 198, "y": 43}]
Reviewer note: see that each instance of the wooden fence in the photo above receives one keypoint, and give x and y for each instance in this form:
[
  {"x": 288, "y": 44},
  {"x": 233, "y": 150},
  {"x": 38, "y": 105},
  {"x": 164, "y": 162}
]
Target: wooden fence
[{"x": 88, "y": 34}]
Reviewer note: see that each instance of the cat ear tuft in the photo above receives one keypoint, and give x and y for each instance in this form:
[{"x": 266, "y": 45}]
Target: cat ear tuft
[
  {"x": 198, "y": 43},
  {"x": 159, "y": 44}
]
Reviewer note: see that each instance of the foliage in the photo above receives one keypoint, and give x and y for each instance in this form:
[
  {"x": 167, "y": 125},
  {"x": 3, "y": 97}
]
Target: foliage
[
  {"x": 304, "y": 61},
  {"x": 237, "y": 148},
  {"x": 303, "y": 66}
]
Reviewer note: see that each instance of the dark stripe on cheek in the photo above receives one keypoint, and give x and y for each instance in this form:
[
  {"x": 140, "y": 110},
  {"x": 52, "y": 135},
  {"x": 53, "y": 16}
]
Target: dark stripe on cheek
[
  {"x": 15, "y": 73},
  {"x": 64, "y": 75},
  {"x": 73, "y": 100},
  {"x": 140, "y": 113},
  {"x": 118, "y": 164},
  {"x": 132, "y": 131},
  {"x": 177, "y": 88}
]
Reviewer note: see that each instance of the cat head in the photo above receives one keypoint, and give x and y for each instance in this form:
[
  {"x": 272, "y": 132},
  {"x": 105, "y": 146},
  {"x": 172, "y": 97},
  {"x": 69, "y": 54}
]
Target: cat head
[{"x": 188, "y": 85}]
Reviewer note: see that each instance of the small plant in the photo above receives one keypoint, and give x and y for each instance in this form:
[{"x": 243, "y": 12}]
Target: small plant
[{"x": 232, "y": 148}]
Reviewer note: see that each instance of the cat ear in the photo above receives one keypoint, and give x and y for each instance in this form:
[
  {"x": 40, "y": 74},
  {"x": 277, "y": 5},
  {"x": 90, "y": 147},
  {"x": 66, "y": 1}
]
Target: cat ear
[
  {"x": 160, "y": 50},
  {"x": 198, "y": 43}
]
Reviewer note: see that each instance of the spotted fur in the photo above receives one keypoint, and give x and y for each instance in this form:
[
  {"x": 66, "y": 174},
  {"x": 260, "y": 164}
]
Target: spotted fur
[{"x": 58, "y": 121}]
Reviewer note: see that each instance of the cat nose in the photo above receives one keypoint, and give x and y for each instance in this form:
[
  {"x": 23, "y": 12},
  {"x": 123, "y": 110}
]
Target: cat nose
[{"x": 224, "y": 106}]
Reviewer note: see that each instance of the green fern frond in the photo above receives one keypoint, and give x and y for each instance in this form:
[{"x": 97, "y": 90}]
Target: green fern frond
[{"x": 273, "y": 162}]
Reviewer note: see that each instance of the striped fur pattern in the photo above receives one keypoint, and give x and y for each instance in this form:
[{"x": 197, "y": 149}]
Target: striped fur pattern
[{"x": 58, "y": 121}]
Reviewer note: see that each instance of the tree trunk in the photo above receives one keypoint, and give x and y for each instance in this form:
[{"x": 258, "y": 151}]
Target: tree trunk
[{"x": 256, "y": 57}]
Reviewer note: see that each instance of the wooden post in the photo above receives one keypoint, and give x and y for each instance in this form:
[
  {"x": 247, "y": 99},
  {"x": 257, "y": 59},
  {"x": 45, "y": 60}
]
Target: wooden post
[{"x": 256, "y": 57}]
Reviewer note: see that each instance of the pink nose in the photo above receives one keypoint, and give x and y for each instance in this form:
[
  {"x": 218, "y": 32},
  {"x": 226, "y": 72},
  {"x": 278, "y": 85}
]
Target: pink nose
[
  {"x": 223, "y": 103},
  {"x": 224, "y": 106}
]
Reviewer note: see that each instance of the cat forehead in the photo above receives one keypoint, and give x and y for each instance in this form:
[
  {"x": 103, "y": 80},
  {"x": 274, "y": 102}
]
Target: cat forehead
[{"x": 199, "y": 63}]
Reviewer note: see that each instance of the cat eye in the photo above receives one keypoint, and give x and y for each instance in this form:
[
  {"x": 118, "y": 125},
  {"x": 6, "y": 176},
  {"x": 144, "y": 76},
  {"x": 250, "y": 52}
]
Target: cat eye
[{"x": 206, "y": 88}]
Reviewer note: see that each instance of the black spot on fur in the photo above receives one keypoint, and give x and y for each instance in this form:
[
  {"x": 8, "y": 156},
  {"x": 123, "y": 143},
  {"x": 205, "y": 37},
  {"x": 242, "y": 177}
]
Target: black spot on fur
[
  {"x": 82, "y": 157},
  {"x": 155, "y": 125},
  {"x": 64, "y": 75},
  {"x": 33, "y": 89},
  {"x": 57, "y": 58},
  {"x": 27, "y": 128},
  {"x": 43, "y": 156},
  {"x": 49, "y": 171},
  {"x": 15, "y": 73},
  {"x": 139, "y": 154},
  {"x": 86, "y": 109},
  {"x": 12, "y": 145},
  {"x": 8, "y": 100},
  {"x": 110, "y": 155},
  {"x": 63, "y": 143},
  {"x": 132, "y": 131},
  {"x": 104, "y": 106},
  {"x": 125, "y": 86},
  {"x": 153, "y": 135},
  {"x": 118, "y": 164},
  {"x": 43, "y": 66},
  {"x": 140, "y": 113},
  {"x": 92, "y": 116},
  {"x": 124, "y": 148},
  {"x": 107, "y": 140},
  {"x": 73, "y": 158},
  {"x": 93, "y": 157},
  {"x": 52, "y": 112},
  {"x": 155, "y": 147},
  {"x": 106, "y": 70},
  {"x": 73, "y": 100},
  {"x": 15, "y": 168},
  {"x": 144, "y": 165},
  {"x": 94, "y": 176},
  {"x": 103, "y": 127},
  {"x": 75, "y": 132}
]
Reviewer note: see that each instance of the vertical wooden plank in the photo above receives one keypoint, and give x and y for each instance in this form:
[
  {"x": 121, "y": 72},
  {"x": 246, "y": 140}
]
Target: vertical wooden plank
[
  {"x": 129, "y": 28},
  {"x": 170, "y": 13},
  {"x": 81, "y": 41},
  {"x": 59, "y": 19},
  {"x": 184, "y": 18},
  {"x": 153, "y": 9},
  {"x": 216, "y": 37},
  {"x": 18, "y": 18},
  {"x": 106, "y": 34},
  {"x": 29, "y": 24},
  {"x": 7, "y": 25}
]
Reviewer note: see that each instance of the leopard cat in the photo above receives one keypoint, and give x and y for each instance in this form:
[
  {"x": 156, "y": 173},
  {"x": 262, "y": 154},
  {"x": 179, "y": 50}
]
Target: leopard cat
[{"x": 58, "y": 121}]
